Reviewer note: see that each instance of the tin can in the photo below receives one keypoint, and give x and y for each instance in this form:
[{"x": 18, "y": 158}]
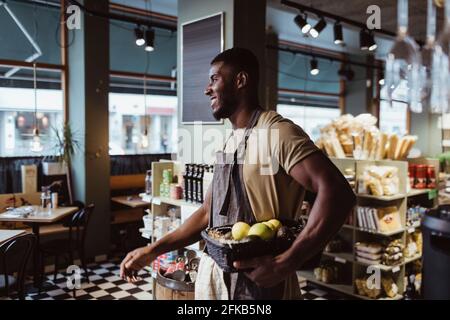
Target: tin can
[
  {"x": 431, "y": 177},
  {"x": 421, "y": 177}
]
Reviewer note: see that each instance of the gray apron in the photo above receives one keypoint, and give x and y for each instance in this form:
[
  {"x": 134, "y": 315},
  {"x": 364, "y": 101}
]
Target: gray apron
[{"x": 230, "y": 204}]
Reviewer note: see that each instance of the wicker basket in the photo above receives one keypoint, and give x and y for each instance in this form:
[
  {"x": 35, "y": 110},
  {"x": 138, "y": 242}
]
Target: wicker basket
[{"x": 224, "y": 254}]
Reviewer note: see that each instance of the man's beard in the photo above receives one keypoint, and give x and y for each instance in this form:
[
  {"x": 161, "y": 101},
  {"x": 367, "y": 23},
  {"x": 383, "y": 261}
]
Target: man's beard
[{"x": 227, "y": 106}]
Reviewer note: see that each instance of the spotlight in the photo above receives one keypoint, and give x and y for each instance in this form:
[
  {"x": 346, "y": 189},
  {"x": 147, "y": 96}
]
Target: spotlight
[
  {"x": 140, "y": 41},
  {"x": 338, "y": 37},
  {"x": 363, "y": 40},
  {"x": 314, "y": 32},
  {"x": 314, "y": 67},
  {"x": 150, "y": 40},
  {"x": 371, "y": 42},
  {"x": 302, "y": 23}
]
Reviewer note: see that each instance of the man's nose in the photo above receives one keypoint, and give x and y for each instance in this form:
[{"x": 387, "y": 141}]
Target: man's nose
[{"x": 208, "y": 90}]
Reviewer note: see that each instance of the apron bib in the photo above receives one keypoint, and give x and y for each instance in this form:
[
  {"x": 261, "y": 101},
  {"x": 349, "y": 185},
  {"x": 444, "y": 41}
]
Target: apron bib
[{"x": 230, "y": 204}]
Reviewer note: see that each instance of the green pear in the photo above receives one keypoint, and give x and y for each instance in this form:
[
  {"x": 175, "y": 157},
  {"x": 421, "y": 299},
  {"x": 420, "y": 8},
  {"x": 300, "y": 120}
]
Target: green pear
[
  {"x": 240, "y": 230},
  {"x": 261, "y": 230}
]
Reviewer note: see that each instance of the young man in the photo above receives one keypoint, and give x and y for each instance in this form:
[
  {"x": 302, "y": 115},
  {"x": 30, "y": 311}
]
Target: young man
[{"x": 244, "y": 190}]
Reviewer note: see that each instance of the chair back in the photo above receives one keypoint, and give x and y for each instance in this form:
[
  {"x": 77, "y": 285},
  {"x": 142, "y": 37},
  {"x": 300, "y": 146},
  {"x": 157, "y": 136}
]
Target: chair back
[
  {"x": 14, "y": 256},
  {"x": 80, "y": 222}
]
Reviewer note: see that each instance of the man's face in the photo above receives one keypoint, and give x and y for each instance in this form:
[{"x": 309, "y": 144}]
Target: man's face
[{"x": 222, "y": 91}]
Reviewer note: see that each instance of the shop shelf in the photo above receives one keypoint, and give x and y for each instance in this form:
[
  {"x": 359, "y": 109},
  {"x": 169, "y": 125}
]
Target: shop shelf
[
  {"x": 416, "y": 192},
  {"x": 309, "y": 276},
  {"x": 414, "y": 258},
  {"x": 386, "y": 234},
  {"x": 340, "y": 256},
  {"x": 174, "y": 202},
  {"x": 381, "y": 198}
]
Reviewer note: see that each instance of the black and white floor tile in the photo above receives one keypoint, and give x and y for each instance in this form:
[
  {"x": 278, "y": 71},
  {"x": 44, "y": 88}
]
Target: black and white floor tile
[{"x": 105, "y": 284}]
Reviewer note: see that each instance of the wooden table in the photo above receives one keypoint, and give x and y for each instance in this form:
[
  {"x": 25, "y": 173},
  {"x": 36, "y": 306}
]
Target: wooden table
[
  {"x": 40, "y": 216},
  {"x": 131, "y": 201},
  {"x": 6, "y": 235}
]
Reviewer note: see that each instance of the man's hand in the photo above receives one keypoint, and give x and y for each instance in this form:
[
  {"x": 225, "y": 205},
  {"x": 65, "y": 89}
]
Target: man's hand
[
  {"x": 135, "y": 261},
  {"x": 267, "y": 271}
]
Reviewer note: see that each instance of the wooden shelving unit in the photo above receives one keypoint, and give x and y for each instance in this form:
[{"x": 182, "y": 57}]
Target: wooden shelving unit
[{"x": 352, "y": 233}]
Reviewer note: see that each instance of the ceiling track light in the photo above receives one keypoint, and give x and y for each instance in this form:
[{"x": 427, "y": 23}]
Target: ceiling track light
[
  {"x": 314, "y": 67},
  {"x": 363, "y": 40},
  {"x": 302, "y": 22},
  {"x": 371, "y": 42},
  {"x": 320, "y": 25},
  {"x": 140, "y": 41},
  {"x": 150, "y": 40},
  {"x": 338, "y": 35}
]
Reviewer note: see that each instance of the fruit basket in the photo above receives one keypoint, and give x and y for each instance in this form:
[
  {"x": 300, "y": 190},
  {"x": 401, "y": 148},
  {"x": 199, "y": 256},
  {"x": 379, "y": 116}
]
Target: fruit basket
[{"x": 225, "y": 251}]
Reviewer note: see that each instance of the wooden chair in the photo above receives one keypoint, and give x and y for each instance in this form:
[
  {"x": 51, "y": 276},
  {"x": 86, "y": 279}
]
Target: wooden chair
[
  {"x": 14, "y": 257},
  {"x": 75, "y": 243}
]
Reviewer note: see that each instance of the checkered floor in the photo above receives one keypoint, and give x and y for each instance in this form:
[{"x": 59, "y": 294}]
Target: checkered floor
[{"x": 106, "y": 285}]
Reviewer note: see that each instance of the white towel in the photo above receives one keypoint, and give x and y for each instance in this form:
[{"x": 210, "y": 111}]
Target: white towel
[{"x": 209, "y": 284}]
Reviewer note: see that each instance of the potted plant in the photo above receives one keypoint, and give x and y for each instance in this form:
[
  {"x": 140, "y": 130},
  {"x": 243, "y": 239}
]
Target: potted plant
[{"x": 66, "y": 145}]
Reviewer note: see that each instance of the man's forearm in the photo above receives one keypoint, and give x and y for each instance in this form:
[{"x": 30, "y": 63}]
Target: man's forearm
[
  {"x": 328, "y": 214},
  {"x": 188, "y": 233}
]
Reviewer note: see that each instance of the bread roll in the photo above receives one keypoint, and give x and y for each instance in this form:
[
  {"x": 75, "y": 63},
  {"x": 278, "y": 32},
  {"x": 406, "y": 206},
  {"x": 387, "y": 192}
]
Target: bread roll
[
  {"x": 381, "y": 151},
  {"x": 393, "y": 141}
]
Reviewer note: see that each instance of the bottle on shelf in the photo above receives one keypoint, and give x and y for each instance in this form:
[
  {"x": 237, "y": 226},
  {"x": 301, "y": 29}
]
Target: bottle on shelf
[
  {"x": 190, "y": 182},
  {"x": 148, "y": 182},
  {"x": 187, "y": 169},
  {"x": 410, "y": 292},
  {"x": 194, "y": 183},
  {"x": 200, "y": 173}
]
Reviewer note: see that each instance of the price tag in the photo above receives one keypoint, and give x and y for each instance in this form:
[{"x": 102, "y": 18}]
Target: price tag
[
  {"x": 411, "y": 230},
  {"x": 156, "y": 201},
  {"x": 432, "y": 194},
  {"x": 340, "y": 260},
  {"x": 396, "y": 269}
]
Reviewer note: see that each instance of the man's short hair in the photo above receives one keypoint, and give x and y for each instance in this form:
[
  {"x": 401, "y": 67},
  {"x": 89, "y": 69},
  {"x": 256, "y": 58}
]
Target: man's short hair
[{"x": 241, "y": 60}]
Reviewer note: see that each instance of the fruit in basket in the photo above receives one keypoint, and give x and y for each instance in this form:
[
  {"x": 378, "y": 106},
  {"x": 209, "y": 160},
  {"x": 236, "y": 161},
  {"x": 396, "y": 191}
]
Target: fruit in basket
[
  {"x": 240, "y": 230},
  {"x": 276, "y": 223},
  {"x": 262, "y": 231},
  {"x": 271, "y": 226}
]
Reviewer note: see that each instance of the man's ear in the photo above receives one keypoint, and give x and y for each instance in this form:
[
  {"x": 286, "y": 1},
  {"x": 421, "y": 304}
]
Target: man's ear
[{"x": 242, "y": 79}]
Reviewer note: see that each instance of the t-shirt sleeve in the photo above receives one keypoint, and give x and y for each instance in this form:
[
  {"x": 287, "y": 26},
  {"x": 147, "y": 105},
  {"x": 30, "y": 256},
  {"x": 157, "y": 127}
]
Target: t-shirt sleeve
[{"x": 292, "y": 144}]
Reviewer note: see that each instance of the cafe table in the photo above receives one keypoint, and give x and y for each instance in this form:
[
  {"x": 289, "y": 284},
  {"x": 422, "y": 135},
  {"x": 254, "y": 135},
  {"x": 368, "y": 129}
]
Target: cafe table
[{"x": 38, "y": 216}]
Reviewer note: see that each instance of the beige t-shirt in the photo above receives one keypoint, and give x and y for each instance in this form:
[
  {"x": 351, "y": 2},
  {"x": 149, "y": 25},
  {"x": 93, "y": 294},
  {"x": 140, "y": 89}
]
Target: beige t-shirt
[{"x": 274, "y": 147}]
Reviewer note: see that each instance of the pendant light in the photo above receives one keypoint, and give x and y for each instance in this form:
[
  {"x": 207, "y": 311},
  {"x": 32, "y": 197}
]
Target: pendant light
[
  {"x": 144, "y": 138},
  {"x": 36, "y": 145}
]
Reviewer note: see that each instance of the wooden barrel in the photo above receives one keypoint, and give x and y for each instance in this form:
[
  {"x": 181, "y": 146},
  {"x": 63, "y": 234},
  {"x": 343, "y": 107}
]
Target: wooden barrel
[{"x": 169, "y": 289}]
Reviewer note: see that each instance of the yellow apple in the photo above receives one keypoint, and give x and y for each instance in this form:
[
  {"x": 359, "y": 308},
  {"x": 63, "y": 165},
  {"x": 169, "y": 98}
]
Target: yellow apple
[
  {"x": 276, "y": 223},
  {"x": 261, "y": 230},
  {"x": 240, "y": 230}
]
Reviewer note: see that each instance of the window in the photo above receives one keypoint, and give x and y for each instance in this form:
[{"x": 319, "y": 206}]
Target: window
[
  {"x": 311, "y": 119},
  {"x": 128, "y": 119},
  {"x": 17, "y": 114},
  {"x": 393, "y": 119}
]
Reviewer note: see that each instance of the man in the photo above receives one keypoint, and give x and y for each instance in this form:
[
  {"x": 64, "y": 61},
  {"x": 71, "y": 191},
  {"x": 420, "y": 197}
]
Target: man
[{"x": 242, "y": 191}]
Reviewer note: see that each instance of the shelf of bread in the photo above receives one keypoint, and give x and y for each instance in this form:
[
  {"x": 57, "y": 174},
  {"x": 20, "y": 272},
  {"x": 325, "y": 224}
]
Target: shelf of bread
[{"x": 360, "y": 138}]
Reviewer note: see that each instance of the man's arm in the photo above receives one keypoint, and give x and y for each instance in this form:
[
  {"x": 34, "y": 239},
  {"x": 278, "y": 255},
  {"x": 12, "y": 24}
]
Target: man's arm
[
  {"x": 334, "y": 202},
  {"x": 186, "y": 234}
]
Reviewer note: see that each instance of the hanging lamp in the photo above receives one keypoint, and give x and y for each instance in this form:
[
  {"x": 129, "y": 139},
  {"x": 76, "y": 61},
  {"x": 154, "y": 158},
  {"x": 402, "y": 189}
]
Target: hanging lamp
[{"x": 36, "y": 145}]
